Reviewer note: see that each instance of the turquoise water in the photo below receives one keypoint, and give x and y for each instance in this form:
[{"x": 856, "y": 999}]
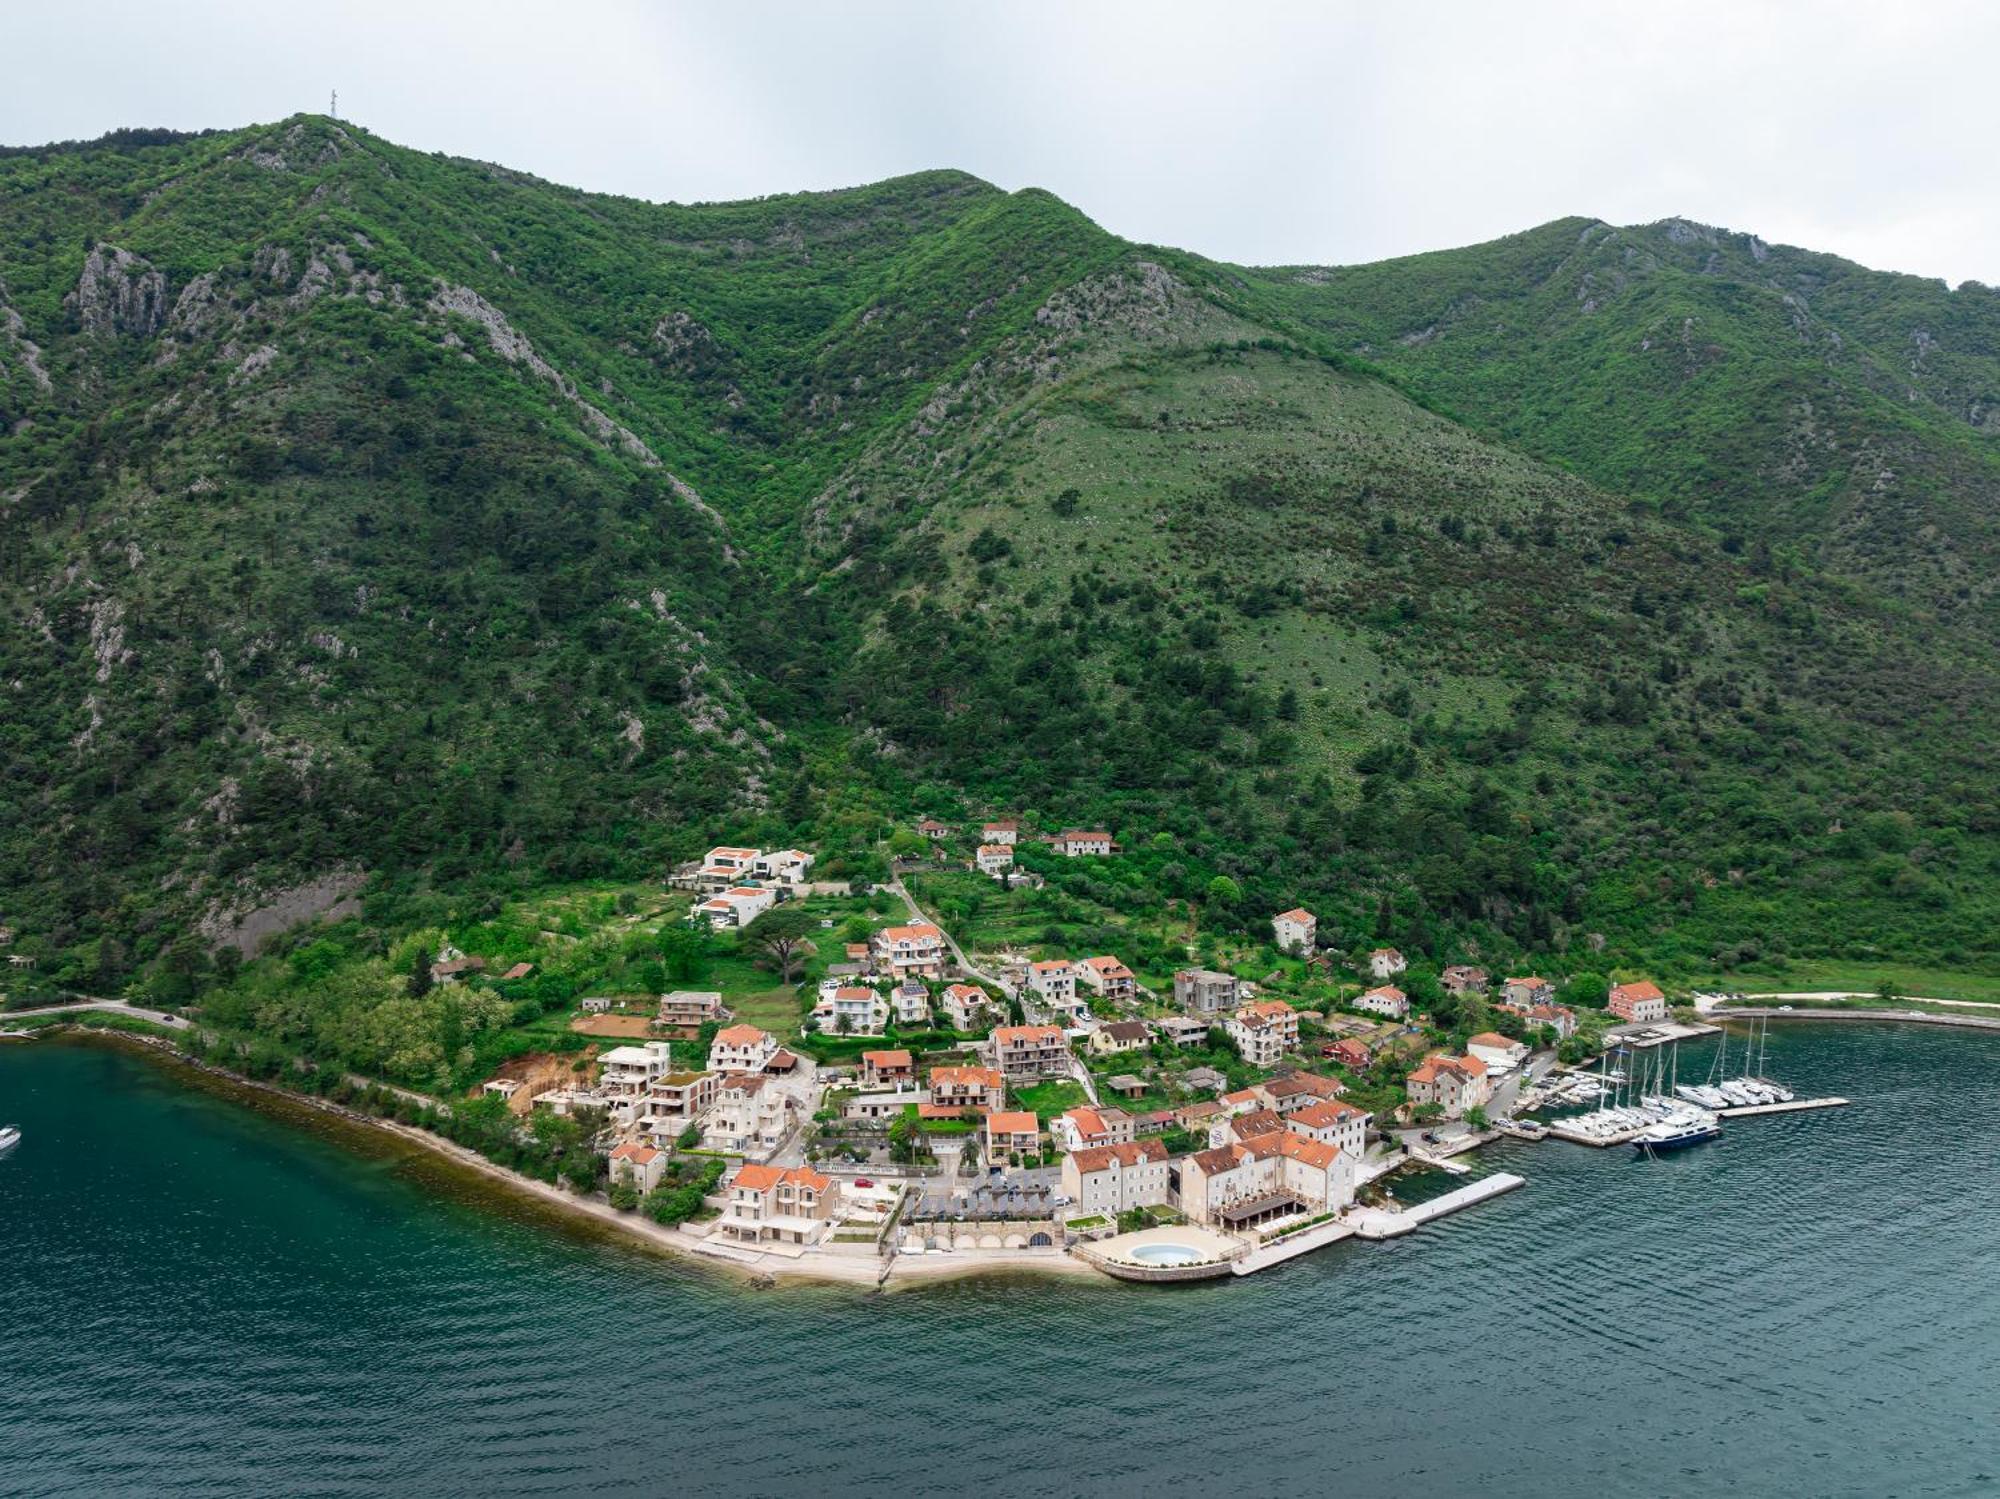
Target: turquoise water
[{"x": 199, "y": 1297}]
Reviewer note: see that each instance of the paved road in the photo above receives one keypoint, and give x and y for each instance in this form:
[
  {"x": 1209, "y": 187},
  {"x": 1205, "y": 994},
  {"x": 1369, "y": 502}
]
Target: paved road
[
  {"x": 1709, "y": 1004},
  {"x": 1534, "y": 1070},
  {"x": 1920, "y": 1017},
  {"x": 110, "y": 1006}
]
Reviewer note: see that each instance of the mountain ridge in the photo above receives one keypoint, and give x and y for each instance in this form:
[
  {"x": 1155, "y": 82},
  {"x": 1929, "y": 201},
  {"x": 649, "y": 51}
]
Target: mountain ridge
[{"x": 396, "y": 512}]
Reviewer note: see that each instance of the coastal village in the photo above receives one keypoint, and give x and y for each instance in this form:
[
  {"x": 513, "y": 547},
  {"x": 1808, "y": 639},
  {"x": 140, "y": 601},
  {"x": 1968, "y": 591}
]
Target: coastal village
[{"x": 926, "y": 1109}]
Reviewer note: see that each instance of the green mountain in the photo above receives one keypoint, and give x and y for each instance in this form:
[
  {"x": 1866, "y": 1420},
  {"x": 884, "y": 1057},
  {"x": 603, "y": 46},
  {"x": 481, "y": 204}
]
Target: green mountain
[{"x": 379, "y": 522}]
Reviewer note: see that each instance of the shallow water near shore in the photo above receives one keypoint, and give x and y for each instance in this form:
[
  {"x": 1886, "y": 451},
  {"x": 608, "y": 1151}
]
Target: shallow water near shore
[{"x": 202, "y": 1296}]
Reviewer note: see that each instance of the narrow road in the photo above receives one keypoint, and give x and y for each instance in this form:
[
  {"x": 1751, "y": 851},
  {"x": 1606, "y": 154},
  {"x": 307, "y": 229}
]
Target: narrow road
[
  {"x": 957, "y": 952},
  {"x": 1031, "y": 1011}
]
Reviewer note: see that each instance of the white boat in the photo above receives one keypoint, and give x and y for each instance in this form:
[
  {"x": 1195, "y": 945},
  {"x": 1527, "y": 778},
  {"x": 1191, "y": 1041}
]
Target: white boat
[{"x": 9, "y": 1137}]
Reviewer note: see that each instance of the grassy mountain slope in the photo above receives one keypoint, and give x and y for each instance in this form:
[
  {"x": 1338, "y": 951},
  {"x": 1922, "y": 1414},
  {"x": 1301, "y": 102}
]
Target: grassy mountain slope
[
  {"x": 372, "y": 513},
  {"x": 1774, "y": 394},
  {"x": 1168, "y": 576}
]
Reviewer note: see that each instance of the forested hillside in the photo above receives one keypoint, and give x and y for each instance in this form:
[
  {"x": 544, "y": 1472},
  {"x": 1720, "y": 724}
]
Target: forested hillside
[{"x": 385, "y": 524}]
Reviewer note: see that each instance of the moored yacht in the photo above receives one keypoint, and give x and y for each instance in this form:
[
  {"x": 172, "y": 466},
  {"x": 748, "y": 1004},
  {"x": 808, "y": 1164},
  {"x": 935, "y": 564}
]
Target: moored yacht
[{"x": 1690, "y": 1128}]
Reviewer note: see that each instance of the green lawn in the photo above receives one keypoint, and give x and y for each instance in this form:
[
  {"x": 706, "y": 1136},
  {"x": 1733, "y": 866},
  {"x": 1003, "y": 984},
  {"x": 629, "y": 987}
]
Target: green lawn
[
  {"x": 1048, "y": 1099},
  {"x": 774, "y": 1010}
]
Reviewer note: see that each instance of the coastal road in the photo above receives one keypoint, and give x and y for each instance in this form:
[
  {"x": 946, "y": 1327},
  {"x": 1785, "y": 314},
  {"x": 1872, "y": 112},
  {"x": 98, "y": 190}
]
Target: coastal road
[
  {"x": 109, "y": 1006},
  {"x": 1920, "y": 1017},
  {"x": 1709, "y": 1004}
]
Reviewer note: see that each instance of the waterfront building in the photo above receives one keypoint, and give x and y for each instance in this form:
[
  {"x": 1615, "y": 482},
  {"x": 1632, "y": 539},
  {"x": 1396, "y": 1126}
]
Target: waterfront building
[
  {"x": 1273, "y": 1175},
  {"x": 1107, "y": 1180},
  {"x": 1638, "y": 1002},
  {"x": 641, "y": 1165},
  {"x": 1332, "y": 1122},
  {"x": 1454, "y": 1084},
  {"x": 791, "y": 1205}
]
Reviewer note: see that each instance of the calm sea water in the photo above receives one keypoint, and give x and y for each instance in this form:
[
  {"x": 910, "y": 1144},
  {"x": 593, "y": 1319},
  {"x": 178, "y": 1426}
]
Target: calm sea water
[{"x": 203, "y": 1297}]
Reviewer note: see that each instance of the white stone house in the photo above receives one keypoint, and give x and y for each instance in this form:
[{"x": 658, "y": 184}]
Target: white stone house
[
  {"x": 1386, "y": 1000},
  {"x": 741, "y": 1048},
  {"x": 641, "y": 1165},
  {"x": 1295, "y": 931},
  {"x": 1108, "y": 1180}
]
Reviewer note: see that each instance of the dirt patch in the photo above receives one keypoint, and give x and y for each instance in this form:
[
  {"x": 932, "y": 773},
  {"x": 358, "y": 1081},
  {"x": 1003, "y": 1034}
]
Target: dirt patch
[
  {"x": 625, "y": 1027},
  {"x": 539, "y": 1071}
]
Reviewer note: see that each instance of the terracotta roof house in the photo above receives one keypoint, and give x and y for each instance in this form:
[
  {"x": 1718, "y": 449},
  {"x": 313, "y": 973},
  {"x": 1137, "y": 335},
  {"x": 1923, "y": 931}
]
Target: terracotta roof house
[{"x": 1638, "y": 1001}]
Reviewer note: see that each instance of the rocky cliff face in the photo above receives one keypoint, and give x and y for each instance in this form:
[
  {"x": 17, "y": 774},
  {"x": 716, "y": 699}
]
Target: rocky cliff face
[{"x": 119, "y": 293}]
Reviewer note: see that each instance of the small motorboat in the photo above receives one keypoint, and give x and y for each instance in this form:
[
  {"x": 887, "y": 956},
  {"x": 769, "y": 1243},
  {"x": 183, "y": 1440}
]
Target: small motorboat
[{"x": 9, "y": 1137}]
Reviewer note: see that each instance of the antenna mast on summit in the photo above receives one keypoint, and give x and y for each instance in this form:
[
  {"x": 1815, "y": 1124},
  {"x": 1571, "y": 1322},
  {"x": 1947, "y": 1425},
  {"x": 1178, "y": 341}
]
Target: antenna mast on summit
[{"x": 333, "y": 108}]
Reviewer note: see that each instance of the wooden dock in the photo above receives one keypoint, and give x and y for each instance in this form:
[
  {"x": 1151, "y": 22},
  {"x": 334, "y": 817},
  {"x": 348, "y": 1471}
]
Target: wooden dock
[{"x": 1796, "y": 1106}]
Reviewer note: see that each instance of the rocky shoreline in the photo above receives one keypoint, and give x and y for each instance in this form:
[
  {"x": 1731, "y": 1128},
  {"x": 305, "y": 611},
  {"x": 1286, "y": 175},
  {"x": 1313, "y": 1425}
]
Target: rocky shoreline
[{"x": 764, "y": 1269}]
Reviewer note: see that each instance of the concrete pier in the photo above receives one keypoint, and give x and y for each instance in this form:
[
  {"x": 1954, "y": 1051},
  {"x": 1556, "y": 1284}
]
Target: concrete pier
[
  {"x": 1796, "y": 1106},
  {"x": 1558, "y": 1130},
  {"x": 1377, "y": 1223},
  {"x": 1290, "y": 1247}
]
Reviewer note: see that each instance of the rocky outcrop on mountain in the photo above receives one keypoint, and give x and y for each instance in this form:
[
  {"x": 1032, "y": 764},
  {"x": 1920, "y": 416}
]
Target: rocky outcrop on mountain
[
  {"x": 118, "y": 293},
  {"x": 17, "y": 350},
  {"x": 516, "y": 348}
]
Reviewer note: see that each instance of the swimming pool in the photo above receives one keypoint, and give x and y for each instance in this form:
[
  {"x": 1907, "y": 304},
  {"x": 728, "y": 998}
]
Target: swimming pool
[{"x": 1164, "y": 1254}]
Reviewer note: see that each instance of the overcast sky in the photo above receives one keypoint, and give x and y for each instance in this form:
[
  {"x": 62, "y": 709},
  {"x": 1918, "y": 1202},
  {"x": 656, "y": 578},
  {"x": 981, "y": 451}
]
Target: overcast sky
[{"x": 1256, "y": 132}]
